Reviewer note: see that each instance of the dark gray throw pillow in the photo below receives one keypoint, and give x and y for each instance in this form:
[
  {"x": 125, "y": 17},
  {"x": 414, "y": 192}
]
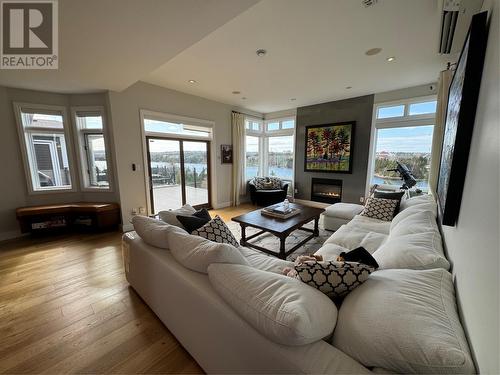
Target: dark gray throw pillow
[
  {"x": 396, "y": 195},
  {"x": 194, "y": 221}
]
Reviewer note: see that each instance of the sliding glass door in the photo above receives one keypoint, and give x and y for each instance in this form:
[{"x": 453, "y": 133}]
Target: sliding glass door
[{"x": 179, "y": 173}]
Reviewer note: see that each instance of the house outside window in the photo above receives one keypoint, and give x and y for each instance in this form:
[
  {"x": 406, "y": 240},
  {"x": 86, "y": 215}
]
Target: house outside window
[
  {"x": 403, "y": 133},
  {"x": 92, "y": 147},
  {"x": 269, "y": 148},
  {"x": 44, "y": 133}
]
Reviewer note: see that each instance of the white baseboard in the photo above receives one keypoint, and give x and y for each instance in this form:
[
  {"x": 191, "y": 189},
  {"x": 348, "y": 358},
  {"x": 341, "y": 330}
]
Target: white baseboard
[
  {"x": 312, "y": 203},
  {"x": 10, "y": 235}
]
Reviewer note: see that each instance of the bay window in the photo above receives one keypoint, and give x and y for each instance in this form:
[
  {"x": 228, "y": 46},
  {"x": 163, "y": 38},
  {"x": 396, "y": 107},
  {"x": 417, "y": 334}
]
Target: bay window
[
  {"x": 403, "y": 133},
  {"x": 43, "y": 134},
  {"x": 269, "y": 148}
]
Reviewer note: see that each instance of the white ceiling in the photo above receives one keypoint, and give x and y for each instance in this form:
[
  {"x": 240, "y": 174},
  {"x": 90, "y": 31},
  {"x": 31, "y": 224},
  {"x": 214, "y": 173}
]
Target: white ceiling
[
  {"x": 111, "y": 44},
  {"x": 315, "y": 49}
]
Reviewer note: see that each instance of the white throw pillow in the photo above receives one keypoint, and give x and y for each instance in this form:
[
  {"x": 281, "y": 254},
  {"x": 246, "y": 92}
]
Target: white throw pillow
[
  {"x": 197, "y": 253},
  {"x": 416, "y": 222},
  {"x": 282, "y": 308},
  {"x": 169, "y": 216},
  {"x": 414, "y": 251},
  {"x": 152, "y": 231},
  {"x": 405, "y": 321}
]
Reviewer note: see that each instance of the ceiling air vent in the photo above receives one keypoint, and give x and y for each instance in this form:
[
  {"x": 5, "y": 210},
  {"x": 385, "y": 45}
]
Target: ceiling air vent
[
  {"x": 455, "y": 20},
  {"x": 368, "y": 3},
  {"x": 449, "y": 17}
]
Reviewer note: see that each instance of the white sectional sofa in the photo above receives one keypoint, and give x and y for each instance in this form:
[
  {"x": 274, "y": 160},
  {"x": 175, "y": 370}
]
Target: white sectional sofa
[{"x": 403, "y": 319}]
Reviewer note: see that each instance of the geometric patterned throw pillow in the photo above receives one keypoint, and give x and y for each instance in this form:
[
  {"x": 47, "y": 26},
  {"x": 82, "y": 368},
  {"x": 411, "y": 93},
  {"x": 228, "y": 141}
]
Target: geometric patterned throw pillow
[
  {"x": 333, "y": 278},
  {"x": 380, "y": 208},
  {"x": 216, "y": 230},
  {"x": 267, "y": 183}
]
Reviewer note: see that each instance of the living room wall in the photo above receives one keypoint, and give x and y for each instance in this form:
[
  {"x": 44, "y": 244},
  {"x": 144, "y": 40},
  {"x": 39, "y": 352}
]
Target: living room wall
[
  {"x": 125, "y": 109},
  {"x": 354, "y": 109}
]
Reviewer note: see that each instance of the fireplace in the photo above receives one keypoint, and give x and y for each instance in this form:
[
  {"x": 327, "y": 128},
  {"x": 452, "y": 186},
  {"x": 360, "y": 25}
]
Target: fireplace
[{"x": 326, "y": 190}]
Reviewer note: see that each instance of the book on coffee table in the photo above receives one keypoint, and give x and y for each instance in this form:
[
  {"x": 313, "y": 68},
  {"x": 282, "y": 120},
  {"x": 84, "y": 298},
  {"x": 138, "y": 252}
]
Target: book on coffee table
[{"x": 279, "y": 211}]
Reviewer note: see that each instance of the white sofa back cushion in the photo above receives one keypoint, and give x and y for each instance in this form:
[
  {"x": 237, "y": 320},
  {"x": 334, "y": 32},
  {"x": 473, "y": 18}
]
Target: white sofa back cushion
[
  {"x": 404, "y": 321},
  {"x": 197, "y": 253},
  {"x": 415, "y": 221},
  {"x": 425, "y": 201},
  {"x": 414, "y": 251},
  {"x": 154, "y": 232},
  {"x": 282, "y": 308}
]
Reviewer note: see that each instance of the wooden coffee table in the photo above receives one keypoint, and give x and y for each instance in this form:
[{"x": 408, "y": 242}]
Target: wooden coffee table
[{"x": 281, "y": 228}]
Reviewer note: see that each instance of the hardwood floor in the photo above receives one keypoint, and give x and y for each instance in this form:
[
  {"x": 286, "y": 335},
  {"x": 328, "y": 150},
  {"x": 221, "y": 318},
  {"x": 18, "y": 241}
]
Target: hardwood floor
[
  {"x": 229, "y": 212},
  {"x": 65, "y": 307}
]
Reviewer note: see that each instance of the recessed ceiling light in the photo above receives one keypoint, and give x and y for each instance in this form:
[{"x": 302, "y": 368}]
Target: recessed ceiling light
[
  {"x": 236, "y": 92},
  {"x": 293, "y": 99},
  {"x": 348, "y": 87},
  {"x": 243, "y": 98},
  {"x": 261, "y": 52},
  {"x": 192, "y": 81},
  {"x": 373, "y": 51},
  {"x": 390, "y": 59}
]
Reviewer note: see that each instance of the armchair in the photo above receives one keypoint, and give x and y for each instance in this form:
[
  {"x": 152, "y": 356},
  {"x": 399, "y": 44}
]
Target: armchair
[{"x": 267, "y": 197}]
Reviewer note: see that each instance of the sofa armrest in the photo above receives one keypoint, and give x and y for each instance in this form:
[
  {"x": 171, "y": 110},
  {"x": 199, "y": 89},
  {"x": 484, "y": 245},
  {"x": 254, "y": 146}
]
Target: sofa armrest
[{"x": 284, "y": 187}]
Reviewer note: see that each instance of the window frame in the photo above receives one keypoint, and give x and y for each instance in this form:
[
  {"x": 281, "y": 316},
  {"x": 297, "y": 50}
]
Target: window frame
[
  {"x": 404, "y": 121},
  {"x": 82, "y": 154},
  {"x": 264, "y": 135},
  {"x": 25, "y": 154}
]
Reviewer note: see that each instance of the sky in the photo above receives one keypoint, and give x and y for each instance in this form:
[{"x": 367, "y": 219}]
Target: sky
[{"x": 408, "y": 139}]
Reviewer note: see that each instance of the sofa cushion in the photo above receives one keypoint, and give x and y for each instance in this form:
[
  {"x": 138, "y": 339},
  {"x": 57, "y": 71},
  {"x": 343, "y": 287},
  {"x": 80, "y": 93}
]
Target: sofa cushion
[
  {"x": 415, "y": 221},
  {"x": 333, "y": 278},
  {"x": 426, "y": 202},
  {"x": 170, "y": 216},
  {"x": 380, "y": 208},
  {"x": 197, "y": 253},
  {"x": 263, "y": 261},
  {"x": 343, "y": 210},
  {"x": 351, "y": 237},
  {"x": 216, "y": 230},
  {"x": 330, "y": 251},
  {"x": 370, "y": 224},
  {"x": 413, "y": 251},
  {"x": 282, "y": 308},
  {"x": 404, "y": 321},
  {"x": 153, "y": 231}
]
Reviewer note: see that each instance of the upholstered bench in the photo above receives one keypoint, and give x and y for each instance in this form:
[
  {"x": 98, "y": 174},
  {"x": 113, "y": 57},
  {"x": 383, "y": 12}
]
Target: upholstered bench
[
  {"x": 339, "y": 214},
  {"x": 97, "y": 216}
]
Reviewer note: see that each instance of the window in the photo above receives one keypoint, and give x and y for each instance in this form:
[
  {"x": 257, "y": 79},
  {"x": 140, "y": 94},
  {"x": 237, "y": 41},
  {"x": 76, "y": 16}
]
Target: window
[
  {"x": 406, "y": 138},
  {"x": 280, "y": 157},
  {"x": 270, "y": 148},
  {"x": 43, "y": 135},
  {"x": 163, "y": 124},
  {"x": 91, "y": 140},
  {"x": 252, "y": 145}
]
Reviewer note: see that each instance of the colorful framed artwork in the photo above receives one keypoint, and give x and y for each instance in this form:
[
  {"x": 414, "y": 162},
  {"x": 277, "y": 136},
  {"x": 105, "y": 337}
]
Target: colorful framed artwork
[
  {"x": 329, "y": 147},
  {"x": 460, "y": 116}
]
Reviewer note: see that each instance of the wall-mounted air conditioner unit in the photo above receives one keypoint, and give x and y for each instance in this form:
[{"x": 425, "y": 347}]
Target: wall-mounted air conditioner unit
[{"x": 455, "y": 20}]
